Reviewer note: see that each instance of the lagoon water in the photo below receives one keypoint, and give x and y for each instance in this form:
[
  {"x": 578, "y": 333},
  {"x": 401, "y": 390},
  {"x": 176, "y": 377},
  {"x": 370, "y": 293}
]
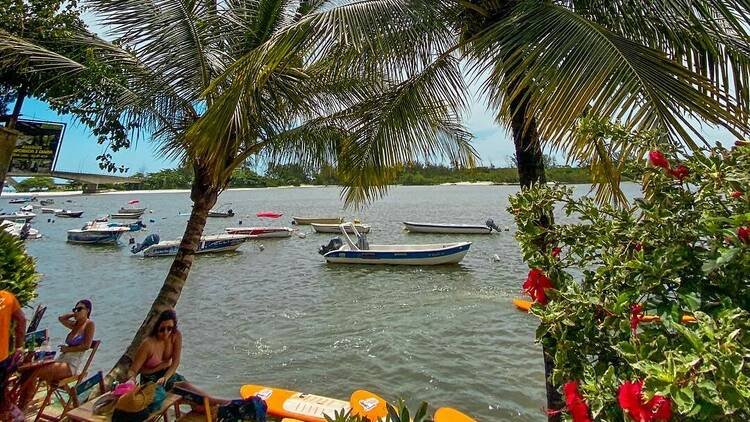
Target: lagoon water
[{"x": 281, "y": 317}]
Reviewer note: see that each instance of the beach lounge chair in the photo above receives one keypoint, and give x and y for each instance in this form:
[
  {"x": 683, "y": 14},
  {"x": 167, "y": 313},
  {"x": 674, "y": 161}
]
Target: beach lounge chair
[
  {"x": 199, "y": 400},
  {"x": 62, "y": 389}
]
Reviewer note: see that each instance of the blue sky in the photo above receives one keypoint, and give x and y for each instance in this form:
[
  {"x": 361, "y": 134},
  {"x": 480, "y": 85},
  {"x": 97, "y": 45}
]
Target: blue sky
[{"x": 79, "y": 147}]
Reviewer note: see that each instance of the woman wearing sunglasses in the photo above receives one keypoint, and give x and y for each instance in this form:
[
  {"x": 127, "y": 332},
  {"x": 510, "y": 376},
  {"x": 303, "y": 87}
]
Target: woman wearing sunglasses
[
  {"x": 70, "y": 360},
  {"x": 158, "y": 356}
]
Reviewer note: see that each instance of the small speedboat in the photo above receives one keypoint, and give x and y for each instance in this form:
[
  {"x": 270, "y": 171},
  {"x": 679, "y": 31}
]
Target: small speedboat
[
  {"x": 451, "y": 228},
  {"x": 126, "y": 216},
  {"x": 131, "y": 210},
  {"x": 27, "y": 208},
  {"x": 261, "y": 232},
  {"x": 47, "y": 210},
  {"x": 18, "y": 215},
  {"x": 20, "y": 229},
  {"x": 21, "y": 200},
  {"x": 152, "y": 247},
  {"x": 69, "y": 214},
  {"x": 45, "y": 202},
  {"x": 302, "y": 221},
  {"x": 334, "y": 228},
  {"x": 361, "y": 252},
  {"x": 221, "y": 214},
  {"x": 96, "y": 232}
]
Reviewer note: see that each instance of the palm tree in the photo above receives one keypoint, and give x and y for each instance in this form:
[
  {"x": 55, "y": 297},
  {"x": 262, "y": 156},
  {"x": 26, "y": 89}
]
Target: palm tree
[{"x": 218, "y": 82}]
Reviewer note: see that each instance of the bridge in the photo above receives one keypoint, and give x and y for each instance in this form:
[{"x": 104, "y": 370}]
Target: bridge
[{"x": 90, "y": 181}]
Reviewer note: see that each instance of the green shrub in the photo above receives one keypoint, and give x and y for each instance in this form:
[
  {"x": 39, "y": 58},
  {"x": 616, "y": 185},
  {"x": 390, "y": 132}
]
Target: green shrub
[
  {"x": 17, "y": 269},
  {"x": 681, "y": 249}
]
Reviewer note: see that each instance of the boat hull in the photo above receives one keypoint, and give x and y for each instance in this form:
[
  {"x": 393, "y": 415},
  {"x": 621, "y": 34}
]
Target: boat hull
[
  {"x": 389, "y": 255},
  {"x": 170, "y": 247},
  {"x": 446, "y": 228},
  {"x": 76, "y": 214},
  {"x": 94, "y": 238},
  {"x": 334, "y": 228},
  {"x": 304, "y": 221},
  {"x": 261, "y": 232},
  {"x": 126, "y": 216},
  {"x": 21, "y": 216},
  {"x": 131, "y": 210},
  {"x": 216, "y": 214}
]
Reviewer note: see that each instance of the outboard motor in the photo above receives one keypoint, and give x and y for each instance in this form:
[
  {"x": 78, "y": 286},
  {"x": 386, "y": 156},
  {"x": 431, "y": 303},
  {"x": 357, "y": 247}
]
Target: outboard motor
[
  {"x": 491, "y": 224},
  {"x": 230, "y": 212},
  {"x": 334, "y": 245},
  {"x": 362, "y": 243},
  {"x": 151, "y": 239}
]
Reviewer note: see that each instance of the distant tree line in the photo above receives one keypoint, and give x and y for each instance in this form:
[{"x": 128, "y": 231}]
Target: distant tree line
[{"x": 295, "y": 175}]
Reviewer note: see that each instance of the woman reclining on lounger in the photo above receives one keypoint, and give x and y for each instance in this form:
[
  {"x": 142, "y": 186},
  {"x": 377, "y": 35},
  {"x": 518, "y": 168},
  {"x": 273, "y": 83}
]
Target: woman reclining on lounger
[
  {"x": 69, "y": 363},
  {"x": 158, "y": 356}
]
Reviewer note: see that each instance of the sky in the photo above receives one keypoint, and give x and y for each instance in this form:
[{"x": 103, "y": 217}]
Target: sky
[{"x": 79, "y": 147}]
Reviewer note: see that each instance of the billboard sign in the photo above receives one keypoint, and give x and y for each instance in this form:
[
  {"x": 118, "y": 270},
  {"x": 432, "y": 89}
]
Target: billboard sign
[{"x": 37, "y": 147}]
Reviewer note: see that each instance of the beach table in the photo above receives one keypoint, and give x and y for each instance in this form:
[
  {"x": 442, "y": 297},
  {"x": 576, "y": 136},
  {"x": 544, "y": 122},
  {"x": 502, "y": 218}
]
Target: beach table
[{"x": 84, "y": 413}]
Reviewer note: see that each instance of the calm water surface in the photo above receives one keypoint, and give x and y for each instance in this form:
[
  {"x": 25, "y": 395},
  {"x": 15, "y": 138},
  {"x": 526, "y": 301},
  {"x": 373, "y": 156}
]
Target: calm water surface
[{"x": 281, "y": 317}]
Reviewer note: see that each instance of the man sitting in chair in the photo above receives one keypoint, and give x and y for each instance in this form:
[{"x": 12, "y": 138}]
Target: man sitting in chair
[
  {"x": 69, "y": 363},
  {"x": 10, "y": 312}
]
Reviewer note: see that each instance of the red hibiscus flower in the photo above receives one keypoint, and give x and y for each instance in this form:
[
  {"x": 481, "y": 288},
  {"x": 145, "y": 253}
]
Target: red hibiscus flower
[
  {"x": 556, "y": 252},
  {"x": 635, "y": 317},
  {"x": 535, "y": 284},
  {"x": 638, "y": 247},
  {"x": 630, "y": 397},
  {"x": 657, "y": 159},
  {"x": 577, "y": 406},
  {"x": 680, "y": 173},
  {"x": 743, "y": 233},
  {"x": 736, "y": 194}
]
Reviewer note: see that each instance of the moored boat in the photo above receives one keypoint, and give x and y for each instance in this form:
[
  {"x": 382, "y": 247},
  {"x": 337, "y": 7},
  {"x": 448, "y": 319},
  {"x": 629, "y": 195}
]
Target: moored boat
[
  {"x": 334, "y": 228},
  {"x": 152, "y": 246},
  {"x": 27, "y": 208},
  {"x": 21, "y": 200},
  {"x": 317, "y": 220},
  {"x": 20, "y": 229},
  {"x": 47, "y": 210},
  {"x": 45, "y": 202},
  {"x": 338, "y": 252},
  {"x": 442, "y": 228},
  {"x": 261, "y": 232},
  {"x": 130, "y": 210},
  {"x": 68, "y": 214},
  {"x": 126, "y": 216},
  {"x": 221, "y": 214},
  {"x": 18, "y": 215},
  {"x": 96, "y": 232}
]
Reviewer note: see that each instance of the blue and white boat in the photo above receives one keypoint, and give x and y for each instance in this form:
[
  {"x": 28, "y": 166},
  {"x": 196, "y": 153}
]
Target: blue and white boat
[
  {"x": 96, "y": 232},
  {"x": 152, "y": 247},
  {"x": 338, "y": 252},
  {"x": 21, "y": 200}
]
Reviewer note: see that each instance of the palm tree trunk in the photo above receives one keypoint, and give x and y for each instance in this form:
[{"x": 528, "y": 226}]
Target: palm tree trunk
[
  {"x": 8, "y": 137},
  {"x": 531, "y": 172},
  {"x": 204, "y": 195}
]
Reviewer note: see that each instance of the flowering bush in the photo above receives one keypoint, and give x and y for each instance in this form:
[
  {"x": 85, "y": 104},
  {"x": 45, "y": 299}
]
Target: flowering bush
[{"x": 646, "y": 307}]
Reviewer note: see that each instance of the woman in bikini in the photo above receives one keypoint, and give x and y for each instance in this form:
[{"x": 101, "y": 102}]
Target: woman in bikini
[
  {"x": 69, "y": 363},
  {"x": 158, "y": 355}
]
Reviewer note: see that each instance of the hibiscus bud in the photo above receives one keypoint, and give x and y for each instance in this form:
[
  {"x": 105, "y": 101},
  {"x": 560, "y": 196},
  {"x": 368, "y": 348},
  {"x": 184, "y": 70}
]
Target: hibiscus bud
[
  {"x": 736, "y": 194},
  {"x": 638, "y": 247},
  {"x": 680, "y": 173},
  {"x": 657, "y": 159},
  {"x": 743, "y": 233},
  {"x": 556, "y": 252}
]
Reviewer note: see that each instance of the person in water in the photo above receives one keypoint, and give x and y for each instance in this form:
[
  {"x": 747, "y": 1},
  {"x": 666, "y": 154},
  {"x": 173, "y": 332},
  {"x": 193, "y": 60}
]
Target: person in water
[
  {"x": 158, "y": 356},
  {"x": 70, "y": 360}
]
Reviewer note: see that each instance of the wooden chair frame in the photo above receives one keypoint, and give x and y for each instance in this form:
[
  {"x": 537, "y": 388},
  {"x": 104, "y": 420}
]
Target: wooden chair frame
[{"x": 68, "y": 387}]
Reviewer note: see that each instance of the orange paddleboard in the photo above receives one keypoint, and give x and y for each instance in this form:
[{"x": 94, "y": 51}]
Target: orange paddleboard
[
  {"x": 523, "y": 305},
  {"x": 368, "y": 405},
  {"x": 449, "y": 414}
]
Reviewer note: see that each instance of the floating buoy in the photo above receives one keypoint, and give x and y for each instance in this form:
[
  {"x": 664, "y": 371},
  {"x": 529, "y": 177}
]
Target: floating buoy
[
  {"x": 261, "y": 247},
  {"x": 496, "y": 258},
  {"x": 240, "y": 222},
  {"x": 152, "y": 220}
]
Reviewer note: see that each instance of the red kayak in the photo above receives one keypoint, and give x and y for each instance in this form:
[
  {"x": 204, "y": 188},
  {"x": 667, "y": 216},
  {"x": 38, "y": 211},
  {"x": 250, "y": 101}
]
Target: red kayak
[{"x": 268, "y": 214}]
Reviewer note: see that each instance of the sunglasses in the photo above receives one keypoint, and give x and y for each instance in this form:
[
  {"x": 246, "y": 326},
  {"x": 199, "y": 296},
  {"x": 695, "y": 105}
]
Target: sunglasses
[
  {"x": 167, "y": 329},
  {"x": 78, "y": 308}
]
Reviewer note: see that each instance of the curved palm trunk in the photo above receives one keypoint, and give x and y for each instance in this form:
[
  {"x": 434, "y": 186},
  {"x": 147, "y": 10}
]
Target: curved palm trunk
[
  {"x": 531, "y": 172},
  {"x": 204, "y": 195}
]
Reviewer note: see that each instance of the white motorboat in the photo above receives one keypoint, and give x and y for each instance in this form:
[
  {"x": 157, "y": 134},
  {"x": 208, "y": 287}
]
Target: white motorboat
[
  {"x": 20, "y": 229},
  {"x": 47, "y": 210},
  {"x": 27, "y": 208},
  {"x": 96, "y": 232},
  {"x": 126, "y": 216},
  {"x": 22, "y": 200},
  {"x": 303, "y": 221},
  {"x": 152, "y": 247},
  {"x": 337, "y": 252},
  {"x": 334, "y": 228},
  {"x": 68, "y": 214},
  {"x": 450, "y": 228},
  {"x": 261, "y": 232},
  {"x": 18, "y": 215},
  {"x": 131, "y": 210}
]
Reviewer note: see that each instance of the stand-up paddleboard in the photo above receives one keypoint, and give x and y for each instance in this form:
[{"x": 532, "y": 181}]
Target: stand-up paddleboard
[
  {"x": 311, "y": 408},
  {"x": 525, "y": 305},
  {"x": 449, "y": 414}
]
